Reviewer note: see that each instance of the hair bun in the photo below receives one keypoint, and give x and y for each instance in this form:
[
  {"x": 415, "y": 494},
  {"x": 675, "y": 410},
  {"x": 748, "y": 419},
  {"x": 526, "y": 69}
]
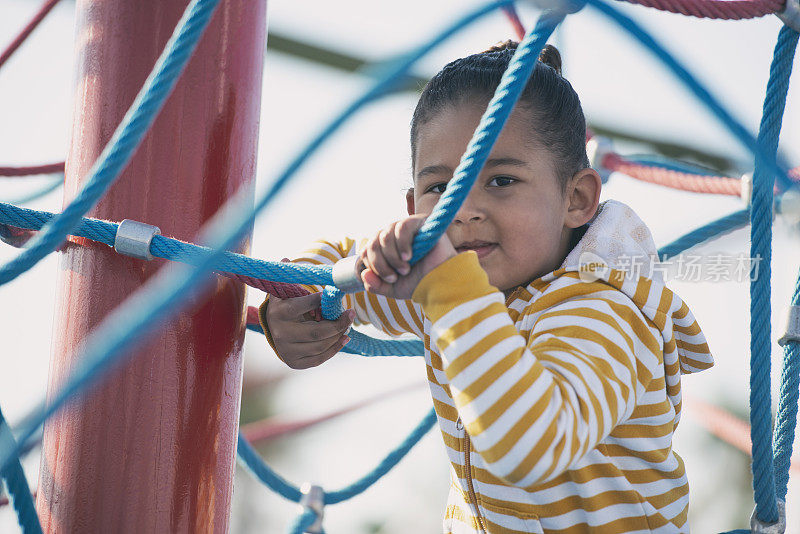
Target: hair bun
[
  {"x": 502, "y": 45},
  {"x": 551, "y": 57}
]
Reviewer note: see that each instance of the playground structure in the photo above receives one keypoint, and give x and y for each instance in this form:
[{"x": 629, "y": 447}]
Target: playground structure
[{"x": 153, "y": 308}]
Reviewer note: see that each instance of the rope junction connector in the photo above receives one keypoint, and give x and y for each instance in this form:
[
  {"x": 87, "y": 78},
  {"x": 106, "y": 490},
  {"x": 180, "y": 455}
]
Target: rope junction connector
[
  {"x": 790, "y": 15},
  {"x": 313, "y": 499},
  {"x": 133, "y": 239},
  {"x": 747, "y": 188},
  {"x": 345, "y": 276},
  {"x": 779, "y": 527},
  {"x": 597, "y": 148},
  {"x": 788, "y": 206},
  {"x": 792, "y": 327}
]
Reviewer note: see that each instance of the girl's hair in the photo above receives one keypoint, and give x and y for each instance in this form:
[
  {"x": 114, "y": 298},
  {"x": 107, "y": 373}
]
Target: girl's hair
[{"x": 557, "y": 118}]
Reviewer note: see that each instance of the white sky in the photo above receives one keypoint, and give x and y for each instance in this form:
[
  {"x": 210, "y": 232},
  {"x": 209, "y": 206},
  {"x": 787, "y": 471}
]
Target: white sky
[{"x": 354, "y": 185}]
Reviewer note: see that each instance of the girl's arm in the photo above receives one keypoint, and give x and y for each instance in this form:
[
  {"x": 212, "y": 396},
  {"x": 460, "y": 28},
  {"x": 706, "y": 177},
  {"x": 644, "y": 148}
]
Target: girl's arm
[{"x": 533, "y": 409}]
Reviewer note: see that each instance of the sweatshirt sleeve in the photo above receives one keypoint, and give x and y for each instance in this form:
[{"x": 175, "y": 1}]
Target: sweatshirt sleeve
[
  {"x": 391, "y": 316},
  {"x": 532, "y": 407}
]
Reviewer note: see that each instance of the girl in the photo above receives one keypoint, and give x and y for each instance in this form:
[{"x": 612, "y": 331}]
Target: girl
[{"x": 554, "y": 363}]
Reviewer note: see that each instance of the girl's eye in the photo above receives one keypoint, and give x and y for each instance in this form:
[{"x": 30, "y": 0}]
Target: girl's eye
[
  {"x": 437, "y": 188},
  {"x": 501, "y": 181}
]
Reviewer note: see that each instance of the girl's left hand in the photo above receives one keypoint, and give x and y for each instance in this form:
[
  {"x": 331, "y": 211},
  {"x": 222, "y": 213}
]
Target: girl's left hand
[{"x": 385, "y": 259}]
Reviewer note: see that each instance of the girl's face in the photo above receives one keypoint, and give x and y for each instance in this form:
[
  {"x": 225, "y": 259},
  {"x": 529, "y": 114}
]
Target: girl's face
[{"x": 515, "y": 217}]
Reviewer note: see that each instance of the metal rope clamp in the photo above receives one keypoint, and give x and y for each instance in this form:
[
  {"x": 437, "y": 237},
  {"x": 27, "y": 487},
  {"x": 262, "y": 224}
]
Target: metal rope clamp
[
  {"x": 133, "y": 239},
  {"x": 313, "y": 499},
  {"x": 779, "y": 527},
  {"x": 345, "y": 276},
  {"x": 790, "y": 14},
  {"x": 792, "y": 327}
]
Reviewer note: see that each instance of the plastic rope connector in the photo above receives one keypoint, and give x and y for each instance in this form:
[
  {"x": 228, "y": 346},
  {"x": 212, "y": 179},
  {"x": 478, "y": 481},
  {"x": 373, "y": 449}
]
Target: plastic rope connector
[
  {"x": 788, "y": 206},
  {"x": 792, "y": 327},
  {"x": 345, "y": 276},
  {"x": 313, "y": 499},
  {"x": 597, "y": 148},
  {"x": 790, "y": 15},
  {"x": 779, "y": 527},
  {"x": 747, "y": 188},
  {"x": 133, "y": 239}
]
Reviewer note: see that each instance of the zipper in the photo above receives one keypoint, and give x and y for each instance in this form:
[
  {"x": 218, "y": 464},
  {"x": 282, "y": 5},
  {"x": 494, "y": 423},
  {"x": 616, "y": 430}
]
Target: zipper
[{"x": 473, "y": 498}]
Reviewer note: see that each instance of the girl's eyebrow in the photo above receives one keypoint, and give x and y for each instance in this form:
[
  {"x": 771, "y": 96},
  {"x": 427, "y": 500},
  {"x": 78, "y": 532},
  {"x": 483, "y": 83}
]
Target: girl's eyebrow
[{"x": 438, "y": 170}]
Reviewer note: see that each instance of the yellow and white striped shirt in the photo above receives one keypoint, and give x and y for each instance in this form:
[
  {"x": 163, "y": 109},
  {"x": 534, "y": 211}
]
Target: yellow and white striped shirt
[{"x": 557, "y": 405}]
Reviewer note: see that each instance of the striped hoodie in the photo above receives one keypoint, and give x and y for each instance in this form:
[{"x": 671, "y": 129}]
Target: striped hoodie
[{"x": 557, "y": 404}]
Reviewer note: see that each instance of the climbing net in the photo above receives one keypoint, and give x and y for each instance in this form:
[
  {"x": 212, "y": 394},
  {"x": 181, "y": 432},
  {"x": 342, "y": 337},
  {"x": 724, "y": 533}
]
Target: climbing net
[{"x": 771, "y": 187}]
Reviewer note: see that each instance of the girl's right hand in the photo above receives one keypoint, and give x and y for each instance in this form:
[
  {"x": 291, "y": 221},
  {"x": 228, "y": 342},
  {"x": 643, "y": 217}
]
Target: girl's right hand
[{"x": 302, "y": 339}]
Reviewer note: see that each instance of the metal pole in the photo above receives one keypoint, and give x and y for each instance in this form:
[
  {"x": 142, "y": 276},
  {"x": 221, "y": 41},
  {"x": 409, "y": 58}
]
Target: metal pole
[{"x": 153, "y": 448}]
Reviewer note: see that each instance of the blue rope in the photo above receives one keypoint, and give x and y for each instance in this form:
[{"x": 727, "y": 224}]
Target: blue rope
[
  {"x": 175, "y": 250},
  {"x": 508, "y": 91},
  {"x": 786, "y": 419},
  {"x": 723, "y": 225},
  {"x": 250, "y": 458},
  {"x": 35, "y": 195},
  {"x": 760, "y": 286},
  {"x": 364, "y": 345},
  {"x": 691, "y": 83},
  {"x": 303, "y": 521},
  {"x": 18, "y": 490},
  {"x": 391, "y": 460},
  {"x": 160, "y": 298},
  {"x": 497, "y": 112},
  {"x": 125, "y": 140}
]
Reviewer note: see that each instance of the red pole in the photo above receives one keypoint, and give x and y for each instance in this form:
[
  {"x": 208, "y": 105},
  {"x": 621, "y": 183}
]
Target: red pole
[{"x": 153, "y": 448}]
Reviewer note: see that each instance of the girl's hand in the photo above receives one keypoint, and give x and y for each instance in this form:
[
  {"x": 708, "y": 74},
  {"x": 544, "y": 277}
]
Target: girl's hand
[
  {"x": 301, "y": 337},
  {"x": 385, "y": 259}
]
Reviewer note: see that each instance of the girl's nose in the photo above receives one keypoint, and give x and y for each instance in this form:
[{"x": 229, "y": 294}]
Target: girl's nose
[{"x": 469, "y": 211}]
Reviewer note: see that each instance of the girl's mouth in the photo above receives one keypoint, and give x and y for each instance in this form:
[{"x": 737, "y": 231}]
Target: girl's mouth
[{"x": 482, "y": 248}]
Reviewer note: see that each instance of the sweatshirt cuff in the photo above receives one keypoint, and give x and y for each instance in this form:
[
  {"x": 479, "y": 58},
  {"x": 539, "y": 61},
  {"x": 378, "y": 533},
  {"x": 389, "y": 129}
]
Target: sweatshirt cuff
[
  {"x": 262, "y": 318},
  {"x": 457, "y": 280}
]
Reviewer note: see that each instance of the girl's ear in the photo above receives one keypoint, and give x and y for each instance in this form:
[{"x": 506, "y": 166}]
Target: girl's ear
[
  {"x": 583, "y": 196},
  {"x": 410, "y": 201}
]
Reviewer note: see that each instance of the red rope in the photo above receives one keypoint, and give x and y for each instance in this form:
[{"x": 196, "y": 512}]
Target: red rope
[
  {"x": 716, "y": 9},
  {"x": 26, "y": 31},
  {"x": 28, "y": 171},
  {"x": 720, "y": 185},
  {"x": 273, "y": 427},
  {"x": 515, "y": 21},
  {"x": 727, "y": 427}
]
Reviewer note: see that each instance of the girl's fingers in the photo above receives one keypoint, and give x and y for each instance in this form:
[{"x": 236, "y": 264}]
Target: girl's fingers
[
  {"x": 376, "y": 261},
  {"x": 405, "y": 231},
  {"x": 313, "y": 331},
  {"x": 374, "y": 283},
  {"x": 313, "y": 361},
  {"x": 391, "y": 253}
]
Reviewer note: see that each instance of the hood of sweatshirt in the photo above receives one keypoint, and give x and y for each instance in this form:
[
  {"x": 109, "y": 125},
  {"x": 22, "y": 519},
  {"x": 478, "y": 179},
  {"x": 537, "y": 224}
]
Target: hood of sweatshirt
[{"x": 618, "y": 249}]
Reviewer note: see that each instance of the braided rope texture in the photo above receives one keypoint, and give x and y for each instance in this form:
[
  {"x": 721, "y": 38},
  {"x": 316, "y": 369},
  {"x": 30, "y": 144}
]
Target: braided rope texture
[
  {"x": 497, "y": 112},
  {"x": 719, "y": 185},
  {"x": 126, "y": 138},
  {"x": 760, "y": 287},
  {"x": 161, "y": 297},
  {"x": 786, "y": 418},
  {"x": 716, "y": 9}
]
